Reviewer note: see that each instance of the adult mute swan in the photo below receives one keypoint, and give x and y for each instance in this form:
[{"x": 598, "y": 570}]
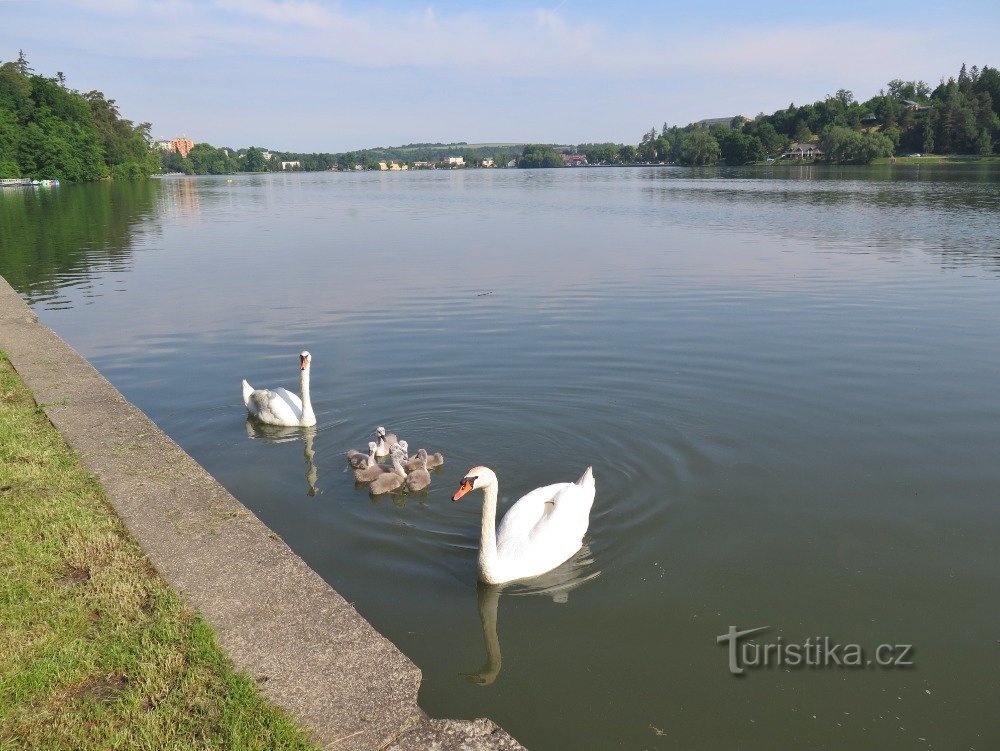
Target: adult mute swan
[
  {"x": 540, "y": 531},
  {"x": 280, "y": 406}
]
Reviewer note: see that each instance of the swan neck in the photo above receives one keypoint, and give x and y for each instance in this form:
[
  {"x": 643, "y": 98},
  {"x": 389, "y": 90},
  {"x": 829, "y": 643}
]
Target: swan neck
[
  {"x": 307, "y": 410},
  {"x": 488, "y": 534}
]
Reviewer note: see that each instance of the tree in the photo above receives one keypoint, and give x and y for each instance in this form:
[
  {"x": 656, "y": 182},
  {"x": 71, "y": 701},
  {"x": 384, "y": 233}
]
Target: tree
[
  {"x": 535, "y": 156},
  {"x": 738, "y": 148},
  {"x": 22, "y": 64},
  {"x": 846, "y": 146},
  {"x": 699, "y": 147},
  {"x": 254, "y": 160},
  {"x": 627, "y": 154},
  {"x": 802, "y": 132},
  {"x": 984, "y": 143}
]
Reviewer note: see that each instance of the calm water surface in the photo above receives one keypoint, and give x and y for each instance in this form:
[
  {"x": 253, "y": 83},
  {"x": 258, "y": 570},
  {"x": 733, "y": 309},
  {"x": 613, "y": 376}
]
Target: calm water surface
[{"x": 787, "y": 384}]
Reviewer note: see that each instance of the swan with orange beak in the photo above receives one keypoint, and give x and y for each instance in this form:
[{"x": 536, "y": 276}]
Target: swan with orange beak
[
  {"x": 543, "y": 529},
  {"x": 280, "y": 406}
]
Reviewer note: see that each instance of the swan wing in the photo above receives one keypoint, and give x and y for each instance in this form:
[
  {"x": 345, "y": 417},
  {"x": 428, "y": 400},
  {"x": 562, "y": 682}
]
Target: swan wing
[
  {"x": 277, "y": 407},
  {"x": 547, "y": 523}
]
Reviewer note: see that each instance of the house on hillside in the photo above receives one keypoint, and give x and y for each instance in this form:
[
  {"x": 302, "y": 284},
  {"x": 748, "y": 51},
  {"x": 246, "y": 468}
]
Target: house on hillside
[
  {"x": 291, "y": 165},
  {"x": 803, "y": 151},
  {"x": 455, "y": 161},
  {"x": 574, "y": 160}
]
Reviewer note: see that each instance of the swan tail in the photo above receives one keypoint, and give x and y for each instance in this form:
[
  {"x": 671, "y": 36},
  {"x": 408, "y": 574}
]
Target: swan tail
[
  {"x": 587, "y": 479},
  {"x": 247, "y": 390}
]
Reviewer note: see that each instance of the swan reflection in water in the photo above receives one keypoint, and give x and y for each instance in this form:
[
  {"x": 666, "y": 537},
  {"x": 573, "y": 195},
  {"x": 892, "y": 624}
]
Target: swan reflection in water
[
  {"x": 280, "y": 434},
  {"x": 557, "y": 584}
]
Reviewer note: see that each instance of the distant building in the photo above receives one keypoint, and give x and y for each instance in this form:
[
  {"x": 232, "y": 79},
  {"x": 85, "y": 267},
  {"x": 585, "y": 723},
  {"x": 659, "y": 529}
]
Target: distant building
[
  {"x": 708, "y": 122},
  {"x": 423, "y": 165},
  {"x": 455, "y": 161},
  {"x": 267, "y": 156},
  {"x": 291, "y": 165},
  {"x": 397, "y": 166},
  {"x": 487, "y": 163},
  {"x": 803, "y": 151},
  {"x": 574, "y": 160},
  {"x": 181, "y": 145},
  {"x": 512, "y": 163},
  {"x": 383, "y": 166}
]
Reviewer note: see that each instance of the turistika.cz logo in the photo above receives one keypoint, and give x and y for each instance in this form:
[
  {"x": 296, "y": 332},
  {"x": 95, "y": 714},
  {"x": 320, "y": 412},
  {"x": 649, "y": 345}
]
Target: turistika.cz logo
[{"x": 814, "y": 652}]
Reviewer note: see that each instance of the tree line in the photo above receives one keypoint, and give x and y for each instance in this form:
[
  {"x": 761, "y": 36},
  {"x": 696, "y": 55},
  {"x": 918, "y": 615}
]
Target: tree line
[
  {"x": 205, "y": 159},
  {"x": 48, "y": 130},
  {"x": 959, "y": 116}
]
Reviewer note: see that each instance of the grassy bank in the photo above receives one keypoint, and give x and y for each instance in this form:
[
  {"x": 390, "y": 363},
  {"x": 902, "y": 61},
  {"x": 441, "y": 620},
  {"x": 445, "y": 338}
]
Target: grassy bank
[
  {"x": 96, "y": 651},
  {"x": 935, "y": 159},
  {"x": 940, "y": 159}
]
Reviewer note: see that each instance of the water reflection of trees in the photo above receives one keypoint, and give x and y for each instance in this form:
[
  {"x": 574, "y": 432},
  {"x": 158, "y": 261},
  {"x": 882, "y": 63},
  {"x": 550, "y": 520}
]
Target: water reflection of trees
[
  {"x": 947, "y": 212},
  {"x": 50, "y": 237}
]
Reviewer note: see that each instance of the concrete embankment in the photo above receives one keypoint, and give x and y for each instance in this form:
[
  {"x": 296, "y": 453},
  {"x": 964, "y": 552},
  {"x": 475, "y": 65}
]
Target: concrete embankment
[{"x": 308, "y": 649}]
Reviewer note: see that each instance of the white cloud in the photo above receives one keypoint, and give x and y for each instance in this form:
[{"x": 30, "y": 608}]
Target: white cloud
[{"x": 510, "y": 43}]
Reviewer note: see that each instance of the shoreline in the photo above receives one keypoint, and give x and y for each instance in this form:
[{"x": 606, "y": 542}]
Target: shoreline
[{"x": 310, "y": 652}]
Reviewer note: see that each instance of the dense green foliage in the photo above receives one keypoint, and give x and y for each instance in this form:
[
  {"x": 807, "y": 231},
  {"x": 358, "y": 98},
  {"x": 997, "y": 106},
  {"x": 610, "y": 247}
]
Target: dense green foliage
[
  {"x": 846, "y": 146},
  {"x": 50, "y": 131},
  {"x": 537, "y": 155},
  {"x": 699, "y": 147},
  {"x": 959, "y": 116}
]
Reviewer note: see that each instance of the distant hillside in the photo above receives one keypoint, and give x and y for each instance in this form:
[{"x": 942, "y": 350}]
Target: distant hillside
[
  {"x": 50, "y": 131},
  {"x": 959, "y": 116}
]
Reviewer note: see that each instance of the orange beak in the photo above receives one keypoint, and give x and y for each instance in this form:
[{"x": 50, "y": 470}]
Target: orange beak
[{"x": 464, "y": 488}]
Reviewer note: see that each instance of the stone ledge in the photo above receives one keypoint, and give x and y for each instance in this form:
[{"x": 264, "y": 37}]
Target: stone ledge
[{"x": 309, "y": 650}]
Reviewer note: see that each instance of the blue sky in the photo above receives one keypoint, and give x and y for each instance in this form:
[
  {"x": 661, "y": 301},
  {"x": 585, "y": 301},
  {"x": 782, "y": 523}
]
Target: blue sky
[{"x": 311, "y": 75}]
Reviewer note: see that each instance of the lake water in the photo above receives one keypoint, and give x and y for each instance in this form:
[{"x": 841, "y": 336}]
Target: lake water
[{"x": 787, "y": 381}]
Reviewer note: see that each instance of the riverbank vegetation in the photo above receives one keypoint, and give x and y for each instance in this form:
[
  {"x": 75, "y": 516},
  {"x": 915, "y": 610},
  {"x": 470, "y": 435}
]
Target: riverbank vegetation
[
  {"x": 959, "y": 116},
  {"x": 96, "y": 651},
  {"x": 48, "y": 130}
]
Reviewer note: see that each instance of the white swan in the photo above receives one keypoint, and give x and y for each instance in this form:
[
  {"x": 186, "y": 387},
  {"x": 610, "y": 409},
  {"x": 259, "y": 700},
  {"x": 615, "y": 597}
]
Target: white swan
[
  {"x": 540, "y": 531},
  {"x": 280, "y": 406}
]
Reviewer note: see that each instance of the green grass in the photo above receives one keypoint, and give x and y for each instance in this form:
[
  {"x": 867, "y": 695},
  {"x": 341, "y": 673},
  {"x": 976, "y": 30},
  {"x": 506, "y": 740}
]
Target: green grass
[
  {"x": 96, "y": 651},
  {"x": 940, "y": 159}
]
